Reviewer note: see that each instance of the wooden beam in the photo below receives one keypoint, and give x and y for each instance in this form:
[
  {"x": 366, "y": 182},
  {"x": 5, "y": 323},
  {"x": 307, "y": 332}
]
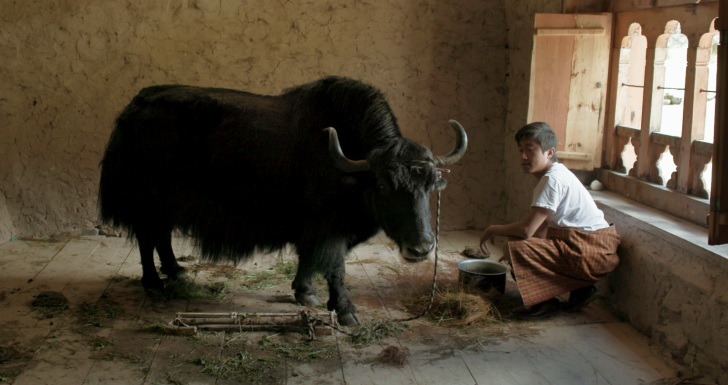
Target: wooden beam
[
  {"x": 629, "y": 132},
  {"x": 569, "y": 31},
  {"x": 574, "y": 155}
]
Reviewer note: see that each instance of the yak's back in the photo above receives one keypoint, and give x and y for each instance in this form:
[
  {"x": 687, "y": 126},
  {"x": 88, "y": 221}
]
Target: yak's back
[
  {"x": 236, "y": 170},
  {"x": 174, "y": 146}
]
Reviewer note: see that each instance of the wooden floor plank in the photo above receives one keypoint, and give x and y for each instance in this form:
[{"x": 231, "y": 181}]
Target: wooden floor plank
[
  {"x": 361, "y": 368},
  {"x": 504, "y": 363},
  {"x": 69, "y": 262},
  {"x": 91, "y": 281},
  {"x": 64, "y": 359},
  {"x": 181, "y": 359},
  {"x": 20, "y": 263},
  {"x": 614, "y": 353},
  {"x": 440, "y": 368},
  {"x": 114, "y": 372}
]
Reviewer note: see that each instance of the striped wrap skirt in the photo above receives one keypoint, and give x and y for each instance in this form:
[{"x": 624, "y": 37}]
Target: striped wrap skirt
[{"x": 567, "y": 259}]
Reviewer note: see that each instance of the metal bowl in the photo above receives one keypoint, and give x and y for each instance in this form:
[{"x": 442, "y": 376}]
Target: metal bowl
[{"x": 482, "y": 275}]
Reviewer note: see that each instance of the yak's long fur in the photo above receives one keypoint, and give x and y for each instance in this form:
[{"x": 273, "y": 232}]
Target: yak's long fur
[{"x": 238, "y": 171}]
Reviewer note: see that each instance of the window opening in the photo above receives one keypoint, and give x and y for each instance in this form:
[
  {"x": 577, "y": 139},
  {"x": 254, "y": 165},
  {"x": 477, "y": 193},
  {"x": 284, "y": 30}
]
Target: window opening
[
  {"x": 671, "y": 55},
  {"x": 632, "y": 59},
  {"x": 671, "y": 51},
  {"x": 629, "y": 157}
]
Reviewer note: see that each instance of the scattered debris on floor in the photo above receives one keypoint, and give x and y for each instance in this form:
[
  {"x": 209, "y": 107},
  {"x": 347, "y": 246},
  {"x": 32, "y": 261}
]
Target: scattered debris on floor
[
  {"x": 190, "y": 290},
  {"x": 374, "y": 331},
  {"x": 97, "y": 314}
]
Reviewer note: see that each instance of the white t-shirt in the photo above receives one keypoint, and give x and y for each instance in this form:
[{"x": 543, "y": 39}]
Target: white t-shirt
[{"x": 569, "y": 203}]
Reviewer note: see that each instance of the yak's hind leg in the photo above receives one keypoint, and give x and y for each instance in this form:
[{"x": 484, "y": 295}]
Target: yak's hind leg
[
  {"x": 161, "y": 239},
  {"x": 150, "y": 278},
  {"x": 170, "y": 267},
  {"x": 328, "y": 259}
]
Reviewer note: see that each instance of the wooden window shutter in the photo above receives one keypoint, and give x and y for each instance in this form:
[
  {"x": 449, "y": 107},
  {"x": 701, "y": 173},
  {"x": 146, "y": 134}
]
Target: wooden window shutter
[{"x": 569, "y": 73}]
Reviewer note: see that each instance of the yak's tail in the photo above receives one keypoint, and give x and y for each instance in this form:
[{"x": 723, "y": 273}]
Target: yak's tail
[
  {"x": 114, "y": 200},
  {"x": 110, "y": 199}
]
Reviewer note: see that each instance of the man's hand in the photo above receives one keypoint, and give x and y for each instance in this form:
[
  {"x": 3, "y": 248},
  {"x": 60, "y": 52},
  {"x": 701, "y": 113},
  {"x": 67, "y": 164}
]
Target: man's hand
[
  {"x": 487, "y": 236},
  {"x": 505, "y": 258}
]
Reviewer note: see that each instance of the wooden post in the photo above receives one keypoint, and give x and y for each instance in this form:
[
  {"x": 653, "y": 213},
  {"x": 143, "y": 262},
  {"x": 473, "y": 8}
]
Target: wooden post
[
  {"x": 689, "y": 112},
  {"x": 698, "y": 159},
  {"x": 718, "y": 219},
  {"x": 651, "y": 111}
]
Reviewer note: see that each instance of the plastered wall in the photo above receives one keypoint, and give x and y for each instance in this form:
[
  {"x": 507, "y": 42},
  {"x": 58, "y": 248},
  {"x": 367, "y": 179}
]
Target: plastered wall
[
  {"x": 671, "y": 288},
  {"x": 70, "y": 66}
]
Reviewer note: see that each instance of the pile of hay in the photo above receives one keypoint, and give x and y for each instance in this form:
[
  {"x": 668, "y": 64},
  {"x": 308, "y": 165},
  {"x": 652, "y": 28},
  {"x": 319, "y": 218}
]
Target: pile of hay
[
  {"x": 451, "y": 305},
  {"x": 455, "y": 308}
]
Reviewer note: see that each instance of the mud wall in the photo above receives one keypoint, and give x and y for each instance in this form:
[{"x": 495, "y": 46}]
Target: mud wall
[
  {"x": 670, "y": 285},
  {"x": 519, "y": 17},
  {"x": 70, "y": 66}
]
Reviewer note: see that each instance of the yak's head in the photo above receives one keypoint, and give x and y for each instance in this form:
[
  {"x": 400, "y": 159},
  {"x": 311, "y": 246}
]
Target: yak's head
[{"x": 404, "y": 174}]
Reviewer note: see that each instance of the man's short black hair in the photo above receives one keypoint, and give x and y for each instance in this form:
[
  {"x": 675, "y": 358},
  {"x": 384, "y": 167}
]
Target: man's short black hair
[{"x": 542, "y": 134}]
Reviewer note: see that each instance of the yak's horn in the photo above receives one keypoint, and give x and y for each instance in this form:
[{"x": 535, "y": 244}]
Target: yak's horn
[
  {"x": 340, "y": 160},
  {"x": 460, "y": 146}
]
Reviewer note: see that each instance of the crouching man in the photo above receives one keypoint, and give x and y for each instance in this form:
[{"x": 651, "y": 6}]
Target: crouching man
[{"x": 564, "y": 244}]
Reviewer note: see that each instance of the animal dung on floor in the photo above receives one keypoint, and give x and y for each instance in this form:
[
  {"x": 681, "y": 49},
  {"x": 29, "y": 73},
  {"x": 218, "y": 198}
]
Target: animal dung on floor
[
  {"x": 304, "y": 321},
  {"x": 392, "y": 355},
  {"x": 472, "y": 253},
  {"x": 50, "y": 299},
  {"x": 7, "y": 353}
]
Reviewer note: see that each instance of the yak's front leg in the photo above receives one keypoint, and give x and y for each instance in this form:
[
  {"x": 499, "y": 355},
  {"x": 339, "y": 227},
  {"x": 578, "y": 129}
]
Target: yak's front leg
[
  {"x": 338, "y": 295},
  {"x": 327, "y": 259},
  {"x": 305, "y": 293}
]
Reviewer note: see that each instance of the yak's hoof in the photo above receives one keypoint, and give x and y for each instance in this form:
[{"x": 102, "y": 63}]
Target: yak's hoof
[
  {"x": 349, "y": 319},
  {"x": 153, "y": 284},
  {"x": 308, "y": 299},
  {"x": 175, "y": 272}
]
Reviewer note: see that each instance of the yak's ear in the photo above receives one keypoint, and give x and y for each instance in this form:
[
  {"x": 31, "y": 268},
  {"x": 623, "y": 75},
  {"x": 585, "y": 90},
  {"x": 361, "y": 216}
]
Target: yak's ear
[{"x": 349, "y": 180}]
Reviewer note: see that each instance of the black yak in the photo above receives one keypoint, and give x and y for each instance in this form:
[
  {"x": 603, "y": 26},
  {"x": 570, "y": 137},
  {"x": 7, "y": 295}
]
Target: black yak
[{"x": 322, "y": 167}]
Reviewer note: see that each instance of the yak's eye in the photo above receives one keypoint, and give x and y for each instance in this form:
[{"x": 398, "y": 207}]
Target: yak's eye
[{"x": 383, "y": 188}]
